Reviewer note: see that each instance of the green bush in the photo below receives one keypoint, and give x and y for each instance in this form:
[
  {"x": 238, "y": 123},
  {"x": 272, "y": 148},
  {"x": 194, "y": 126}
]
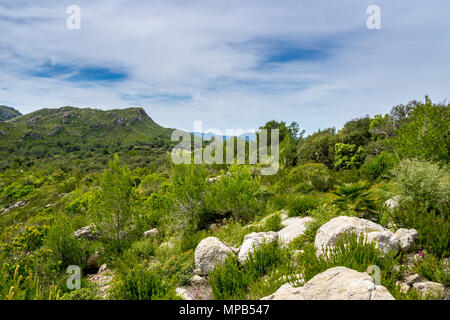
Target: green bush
[
  {"x": 302, "y": 205},
  {"x": 423, "y": 184},
  {"x": 433, "y": 268},
  {"x": 263, "y": 259},
  {"x": 433, "y": 229},
  {"x": 229, "y": 281},
  {"x": 380, "y": 166},
  {"x": 273, "y": 223},
  {"x": 140, "y": 283},
  {"x": 191, "y": 240},
  {"x": 65, "y": 247},
  {"x": 356, "y": 197}
]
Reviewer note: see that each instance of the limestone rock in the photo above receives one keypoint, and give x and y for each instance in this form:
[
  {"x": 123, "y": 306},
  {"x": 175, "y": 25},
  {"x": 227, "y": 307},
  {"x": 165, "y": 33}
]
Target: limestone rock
[
  {"x": 407, "y": 238},
  {"x": 293, "y": 228},
  {"x": 209, "y": 252},
  {"x": 328, "y": 234},
  {"x": 433, "y": 289},
  {"x": 254, "y": 240},
  {"x": 392, "y": 203},
  {"x": 183, "y": 293},
  {"x": 338, "y": 283}
]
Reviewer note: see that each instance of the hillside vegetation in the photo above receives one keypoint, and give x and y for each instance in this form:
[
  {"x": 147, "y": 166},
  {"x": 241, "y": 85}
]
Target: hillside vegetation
[{"x": 96, "y": 189}]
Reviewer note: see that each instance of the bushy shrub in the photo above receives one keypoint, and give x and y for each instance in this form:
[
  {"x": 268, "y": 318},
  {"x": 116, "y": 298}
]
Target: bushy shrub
[
  {"x": 264, "y": 258},
  {"x": 433, "y": 268},
  {"x": 65, "y": 247},
  {"x": 356, "y": 197},
  {"x": 273, "y": 223},
  {"x": 143, "y": 249},
  {"x": 380, "y": 166},
  {"x": 141, "y": 283},
  {"x": 423, "y": 184},
  {"x": 191, "y": 240},
  {"x": 302, "y": 205},
  {"x": 433, "y": 229},
  {"x": 229, "y": 281}
]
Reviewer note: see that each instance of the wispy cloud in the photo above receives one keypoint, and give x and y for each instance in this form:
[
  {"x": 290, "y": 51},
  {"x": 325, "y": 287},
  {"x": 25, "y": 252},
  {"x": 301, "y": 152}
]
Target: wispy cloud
[{"x": 232, "y": 64}]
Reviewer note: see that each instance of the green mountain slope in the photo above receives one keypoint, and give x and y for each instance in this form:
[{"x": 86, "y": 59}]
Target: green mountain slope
[
  {"x": 70, "y": 133},
  {"x": 8, "y": 113}
]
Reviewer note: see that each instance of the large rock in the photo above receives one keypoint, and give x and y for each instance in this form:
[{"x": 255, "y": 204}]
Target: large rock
[
  {"x": 85, "y": 233},
  {"x": 254, "y": 240},
  {"x": 407, "y": 238},
  {"x": 209, "y": 252},
  {"x": 428, "y": 288},
  {"x": 293, "y": 228},
  {"x": 338, "y": 283},
  {"x": 328, "y": 234}
]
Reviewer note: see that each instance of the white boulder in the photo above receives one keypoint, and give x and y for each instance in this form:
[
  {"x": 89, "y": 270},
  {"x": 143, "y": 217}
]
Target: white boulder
[
  {"x": 428, "y": 288},
  {"x": 209, "y": 252},
  {"x": 329, "y": 234},
  {"x": 293, "y": 228},
  {"x": 254, "y": 240},
  {"x": 407, "y": 238},
  {"x": 338, "y": 283}
]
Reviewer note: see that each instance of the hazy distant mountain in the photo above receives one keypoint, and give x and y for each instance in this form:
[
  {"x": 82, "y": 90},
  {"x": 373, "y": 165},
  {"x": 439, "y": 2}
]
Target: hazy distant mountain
[{"x": 248, "y": 136}]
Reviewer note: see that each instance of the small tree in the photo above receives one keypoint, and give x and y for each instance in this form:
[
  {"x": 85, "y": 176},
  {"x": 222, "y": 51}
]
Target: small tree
[{"x": 112, "y": 209}]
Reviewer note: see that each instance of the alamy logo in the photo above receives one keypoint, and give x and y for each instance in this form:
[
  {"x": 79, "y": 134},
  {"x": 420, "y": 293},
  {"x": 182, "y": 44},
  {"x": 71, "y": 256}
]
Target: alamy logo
[
  {"x": 229, "y": 151},
  {"x": 74, "y": 20}
]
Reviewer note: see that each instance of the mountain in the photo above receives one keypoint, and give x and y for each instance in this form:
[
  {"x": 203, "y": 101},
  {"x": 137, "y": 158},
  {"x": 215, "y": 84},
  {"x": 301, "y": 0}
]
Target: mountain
[
  {"x": 7, "y": 113},
  {"x": 70, "y": 132}
]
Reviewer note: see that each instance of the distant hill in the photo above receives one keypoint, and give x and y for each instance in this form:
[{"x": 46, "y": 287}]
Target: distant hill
[
  {"x": 7, "y": 113},
  {"x": 248, "y": 136},
  {"x": 68, "y": 132}
]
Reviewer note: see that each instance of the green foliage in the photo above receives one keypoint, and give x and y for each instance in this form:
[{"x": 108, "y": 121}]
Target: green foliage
[
  {"x": 228, "y": 282},
  {"x": 263, "y": 259},
  {"x": 423, "y": 184},
  {"x": 141, "y": 283},
  {"x": 64, "y": 246},
  {"x": 355, "y": 197},
  {"x": 380, "y": 166},
  {"x": 19, "y": 287},
  {"x": 237, "y": 193},
  {"x": 347, "y": 156},
  {"x": 433, "y": 229},
  {"x": 302, "y": 205},
  {"x": 273, "y": 223},
  {"x": 191, "y": 240},
  {"x": 318, "y": 147},
  {"x": 113, "y": 209},
  {"x": 426, "y": 132},
  {"x": 432, "y": 268}
]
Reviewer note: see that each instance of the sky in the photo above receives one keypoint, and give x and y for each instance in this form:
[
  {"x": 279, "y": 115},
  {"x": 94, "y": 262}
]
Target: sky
[{"x": 230, "y": 64}]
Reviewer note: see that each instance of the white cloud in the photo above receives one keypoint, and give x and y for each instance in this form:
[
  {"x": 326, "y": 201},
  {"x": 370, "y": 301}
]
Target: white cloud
[{"x": 214, "y": 52}]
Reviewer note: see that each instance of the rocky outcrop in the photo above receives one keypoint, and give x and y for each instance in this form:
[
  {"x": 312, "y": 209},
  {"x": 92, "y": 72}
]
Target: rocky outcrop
[
  {"x": 13, "y": 206},
  {"x": 252, "y": 241},
  {"x": 85, "y": 233},
  {"x": 338, "y": 283},
  {"x": 209, "y": 252},
  {"x": 407, "y": 238},
  {"x": 329, "y": 234},
  {"x": 428, "y": 288},
  {"x": 102, "y": 279},
  {"x": 153, "y": 233},
  {"x": 293, "y": 228},
  {"x": 183, "y": 293}
]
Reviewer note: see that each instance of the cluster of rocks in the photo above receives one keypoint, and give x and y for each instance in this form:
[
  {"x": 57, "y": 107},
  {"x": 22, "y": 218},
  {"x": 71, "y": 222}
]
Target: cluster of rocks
[
  {"x": 13, "y": 206},
  {"x": 335, "y": 283},
  {"x": 85, "y": 233},
  {"x": 102, "y": 279}
]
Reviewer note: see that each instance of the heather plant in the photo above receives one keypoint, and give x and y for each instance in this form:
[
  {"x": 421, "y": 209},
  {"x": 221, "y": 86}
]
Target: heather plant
[{"x": 229, "y": 281}]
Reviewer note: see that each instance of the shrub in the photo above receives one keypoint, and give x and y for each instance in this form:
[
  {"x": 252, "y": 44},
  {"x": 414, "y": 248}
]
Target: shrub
[
  {"x": 273, "y": 223},
  {"x": 433, "y": 229},
  {"x": 228, "y": 281},
  {"x": 191, "y": 240},
  {"x": 140, "y": 283},
  {"x": 302, "y": 205},
  {"x": 355, "y": 196},
  {"x": 143, "y": 249},
  {"x": 433, "y": 268},
  {"x": 65, "y": 247},
  {"x": 264, "y": 258},
  {"x": 423, "y": 184},
  {"x": 380, "y": 166}
]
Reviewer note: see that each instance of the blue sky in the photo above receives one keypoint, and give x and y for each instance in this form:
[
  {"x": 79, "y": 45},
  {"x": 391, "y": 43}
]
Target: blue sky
[{"x": 232, "y": 64}]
